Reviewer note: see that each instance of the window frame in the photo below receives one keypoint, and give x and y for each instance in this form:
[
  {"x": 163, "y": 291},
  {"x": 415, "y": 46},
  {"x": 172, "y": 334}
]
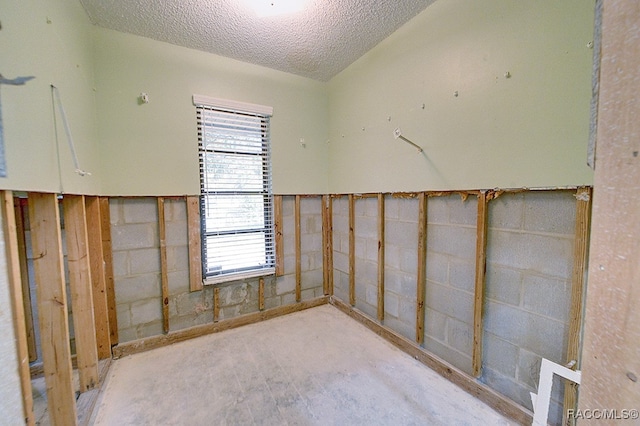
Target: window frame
[{"x": 264, "y": 113}]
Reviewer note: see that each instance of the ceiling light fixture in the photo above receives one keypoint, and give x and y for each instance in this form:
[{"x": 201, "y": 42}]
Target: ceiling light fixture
[{"x": 265, "y": 8}]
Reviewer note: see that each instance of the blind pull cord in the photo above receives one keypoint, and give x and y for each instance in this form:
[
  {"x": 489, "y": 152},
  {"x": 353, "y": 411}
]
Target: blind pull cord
[{"x": 58, "y": 101}]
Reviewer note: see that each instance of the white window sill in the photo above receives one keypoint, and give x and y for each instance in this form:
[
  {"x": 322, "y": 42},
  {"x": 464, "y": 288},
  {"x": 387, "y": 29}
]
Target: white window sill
[{"x": 239, "y": 276}]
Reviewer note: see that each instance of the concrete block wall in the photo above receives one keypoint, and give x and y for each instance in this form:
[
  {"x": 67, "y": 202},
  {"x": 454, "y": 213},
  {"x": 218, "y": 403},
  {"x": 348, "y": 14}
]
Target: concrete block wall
[
  {"x": 311, "y": 250},
  {"x": 366, "y": 255},
  {"x": 401, "y": 265},
  {"x": 450, "y": 270},
  {"x": 136, "y": 264},
  {"x": 527, "y": 294},
  {"x": 341, "y": 248},
  {"x": 528, "y": 291}
]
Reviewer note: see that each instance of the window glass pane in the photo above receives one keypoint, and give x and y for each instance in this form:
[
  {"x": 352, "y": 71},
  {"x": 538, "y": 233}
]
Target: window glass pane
[
  {"x": 233, "y": 172},
  {"x": 230, "y": 253},
  {"x": 234, "y": 212}
]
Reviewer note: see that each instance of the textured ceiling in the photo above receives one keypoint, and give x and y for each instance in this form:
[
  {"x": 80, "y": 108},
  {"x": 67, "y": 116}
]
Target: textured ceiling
[{"x": 317, "y": 42}]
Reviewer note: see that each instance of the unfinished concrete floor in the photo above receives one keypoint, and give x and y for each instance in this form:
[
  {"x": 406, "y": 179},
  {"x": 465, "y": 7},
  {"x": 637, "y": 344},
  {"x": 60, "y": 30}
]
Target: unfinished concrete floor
[{"x": 313, "y": 367}]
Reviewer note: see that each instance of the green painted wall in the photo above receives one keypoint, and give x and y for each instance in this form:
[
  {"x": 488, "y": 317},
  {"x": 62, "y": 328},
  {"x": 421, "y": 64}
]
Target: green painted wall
[
  {"x": 528, "y": 130},
  {"x": 151, "y": 149},
  {"x": 50, "y": 40}
]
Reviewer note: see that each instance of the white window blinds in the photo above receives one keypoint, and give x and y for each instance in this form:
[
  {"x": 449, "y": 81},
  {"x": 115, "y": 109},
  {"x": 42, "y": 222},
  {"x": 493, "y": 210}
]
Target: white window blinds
[{"x": 236, "y": 194}]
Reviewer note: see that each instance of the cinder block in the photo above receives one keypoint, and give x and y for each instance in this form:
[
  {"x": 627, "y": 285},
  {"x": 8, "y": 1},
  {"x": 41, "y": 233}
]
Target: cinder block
[
  {"x": 288, "y": 240},
  {"x": 271, "y": 302},
  {"x": 288, "y": 202},
  {"x": 177, "y": 233},
  {"x": 360, "y": 246},
  {"x": 506, "y": 212},
  {"x": 550, "y": 211},
  {"x": 340, "y": 224},
  {"x": 391, "y": 256},
  {"x": 391, "y": 304},
  {"x": 175, "y": 210},
  {"x": 310, "y": 224},
  {"x": 285, "y": 284},
  {"x": 182, "y": 322},
  {"x": 437, "y": 267},
  {"x": 463, "y": 212},
  {"x": 307, "y": 294},
  {"x": 145, "y": 311},
  {"x": 528, "y": 371},
  {"x": 177, "y": 258},
  {"x": 116, "y": 215},
  {"x": 462, "y": 274},
  {"x": 311, "y": 279},
  {"x": 289, "y": 264},
  {"x": 340, "y": 207},
  {"x": 190, "y": 303},
  {"x": 391, "y": 208},
  {"x": 408, "y": 210},
  {"x": 371, "y": 207},
  {"x": 149, "y": 329},
  {"x": 536, "y": 333},
  {"x": 409, "y": 263},
  {"x": 140, "y": 210},
  {"x": 233, "y": 294},
  {"x": 250, "y": 305},
  {"x": 400, "y": 327},
  {"x": 127, "y": 334},
  {"x": 229, "y": 312},
  {"x": 437, "y": 210},
  {"x": 131, "y": 289},
  {"x": 547, "y": 296},
  {"x": 507, "y": 386},
  {"x": 310, "y": 243},
  {"x": 456, "y": 240},
  {"x": 450, "y": 301},
  {"x": 341, "y": 285},
  {"x": 546, "y": 254},
  {"x": 144, "y": 261},
  {"x": 402, "y": 234},
  {"x": 435, "y": 324},
  {"x": 123, "y": 314},
  {"x": 133, "y": 236},
  {"x": 120, "y": 263},
  {"x": 371, "y": 250},
  {"x": 371, "y": 295},
  {"x": 366, "y": 227},
  {"x": 452, "y": 356},
  {"x": 407, "y": 311},
  {"x": 399, "y": 282},
  {"x": 460, "y": 336},
  {"x": 340, "y": 261},
  {"x": 311, "y": 206},
  {"x": 288, "y": 299},
  {"x": 503, "y": 284},
  {"x": 178, "y": 282},
  {"x": 499, "y": 354},
  {"x": 369, "y": 310}
]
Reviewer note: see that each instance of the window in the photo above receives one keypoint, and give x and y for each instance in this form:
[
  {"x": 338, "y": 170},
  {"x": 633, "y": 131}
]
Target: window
[{"x": 236, "y": 201}]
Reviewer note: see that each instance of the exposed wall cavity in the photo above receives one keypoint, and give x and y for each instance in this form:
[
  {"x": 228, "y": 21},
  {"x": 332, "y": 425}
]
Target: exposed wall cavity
[{"x": 526, "y": 298}]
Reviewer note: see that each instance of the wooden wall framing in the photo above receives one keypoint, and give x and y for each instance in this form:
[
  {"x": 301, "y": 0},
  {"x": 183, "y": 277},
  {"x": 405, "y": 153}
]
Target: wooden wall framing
[
  {"x": 164, "y": 274},
  {"x": 481, "y": 268},
  {"x": 98, "y": 280},
  {"x": 421, "y": 285},
  {"x": 16, "y": 287},
  {"x": 75, "y": 222},
  {"x": 195, "y": 243},
  {"x": 105, "y": 220},
  {"x": 20, "y": 206},
  {"x": 44, "y": 218}
]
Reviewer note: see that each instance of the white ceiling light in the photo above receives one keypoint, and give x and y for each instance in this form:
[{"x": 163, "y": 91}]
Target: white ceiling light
[{"x": 276, "y": 7}]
